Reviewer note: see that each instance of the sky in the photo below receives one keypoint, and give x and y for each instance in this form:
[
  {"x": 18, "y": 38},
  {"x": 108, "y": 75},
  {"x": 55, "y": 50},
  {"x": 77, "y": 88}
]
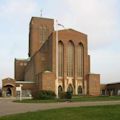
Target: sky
[{"x": 99, "y": 19}]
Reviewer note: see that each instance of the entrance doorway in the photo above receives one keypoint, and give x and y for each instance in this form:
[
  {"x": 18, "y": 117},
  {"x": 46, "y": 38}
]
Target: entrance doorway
[
  {"x": 8, "y": 92},
  {"x": 59, "y": 90},
  {"x": 79, "y": 90}
]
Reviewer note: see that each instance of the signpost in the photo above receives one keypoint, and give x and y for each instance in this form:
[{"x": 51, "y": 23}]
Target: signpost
[{"x": 20, "y": 90}]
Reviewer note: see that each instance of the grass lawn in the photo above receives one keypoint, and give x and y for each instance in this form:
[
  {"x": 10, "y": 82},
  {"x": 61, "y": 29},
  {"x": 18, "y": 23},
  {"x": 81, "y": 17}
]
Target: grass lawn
[
  {"x": 93, "y": 98},
  {"x": 76, "y": 113},
  {"x": 75, "y": 99}
]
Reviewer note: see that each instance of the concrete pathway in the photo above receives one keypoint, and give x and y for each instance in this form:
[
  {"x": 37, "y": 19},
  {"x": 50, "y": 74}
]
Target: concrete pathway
[{"x": 8, "y": 107}]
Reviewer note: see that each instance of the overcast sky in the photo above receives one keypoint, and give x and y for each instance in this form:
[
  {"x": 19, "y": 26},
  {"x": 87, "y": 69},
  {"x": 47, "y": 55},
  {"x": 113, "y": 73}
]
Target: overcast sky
[{"x": 99, "y": 19}]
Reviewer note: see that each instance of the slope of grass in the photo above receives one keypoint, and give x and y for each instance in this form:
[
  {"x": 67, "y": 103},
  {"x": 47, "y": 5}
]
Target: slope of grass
[{"x": 76, "y": 113}]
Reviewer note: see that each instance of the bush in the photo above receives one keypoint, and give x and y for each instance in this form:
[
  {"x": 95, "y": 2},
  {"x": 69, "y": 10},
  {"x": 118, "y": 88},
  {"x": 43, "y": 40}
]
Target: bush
[
  {"x": 65, "y": 95},
  {"x": 62, "y": 95},
  {"x": 44, "y": 95},
  {"x": 68, "y": 95}
]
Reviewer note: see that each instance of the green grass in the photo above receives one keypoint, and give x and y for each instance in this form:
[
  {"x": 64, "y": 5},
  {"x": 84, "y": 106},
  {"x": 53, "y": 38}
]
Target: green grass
[
  {"x": 93, "y": 98},
  {"x": 76, "y": 113},
  {"x": 36, "y": 101},
  {"x": 75, "y": 99}
]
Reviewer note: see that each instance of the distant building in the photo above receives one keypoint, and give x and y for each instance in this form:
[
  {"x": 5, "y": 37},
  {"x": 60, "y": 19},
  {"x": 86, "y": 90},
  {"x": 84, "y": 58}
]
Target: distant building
[
  {"x": 38, "y": 72},
  {"x": 110, "y": 89}
]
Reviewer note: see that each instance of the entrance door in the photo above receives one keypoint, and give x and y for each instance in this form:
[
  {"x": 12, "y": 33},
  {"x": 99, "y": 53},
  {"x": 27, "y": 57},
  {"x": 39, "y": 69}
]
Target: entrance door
[
  {"x": 8, "y": 92},
  {"x": 79, "y": 90},
  {"x": 59, "y": 90}
]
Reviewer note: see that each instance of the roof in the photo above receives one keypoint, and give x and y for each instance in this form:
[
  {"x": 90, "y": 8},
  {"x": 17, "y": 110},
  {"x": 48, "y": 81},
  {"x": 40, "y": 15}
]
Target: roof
[
  {"x": 8, "y": 78},
  {"x": 20, "y": 59},
  {"x": 113, "y": 83},
  {"x": 38, "y": 18},
  {"x": 70, "y": 29}
]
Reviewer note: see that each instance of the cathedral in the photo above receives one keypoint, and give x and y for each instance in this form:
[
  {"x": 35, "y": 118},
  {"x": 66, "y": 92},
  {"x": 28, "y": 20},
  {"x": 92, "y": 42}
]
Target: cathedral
[{"x": 57, "y": 61}]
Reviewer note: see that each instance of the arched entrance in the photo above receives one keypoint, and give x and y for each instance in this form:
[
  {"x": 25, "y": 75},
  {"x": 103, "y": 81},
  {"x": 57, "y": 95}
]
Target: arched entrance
[
  {"x": 8, "y": 87},
  {"x": 70, "y": 88},
  {"x": 60, "y": 89},
  {"x": 8, "y": 92},
  {"x": 79, "y": 90}
]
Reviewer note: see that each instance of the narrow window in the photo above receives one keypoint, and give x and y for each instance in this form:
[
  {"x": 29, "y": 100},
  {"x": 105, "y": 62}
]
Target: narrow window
[
  {"x": 60, "y": 59},
  {"x": 80, "y": 58},
  {"x": 70, "y": 59}
]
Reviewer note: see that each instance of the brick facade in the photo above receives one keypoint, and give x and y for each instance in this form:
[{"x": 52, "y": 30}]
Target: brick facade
[
  {"x": 94, "y": 84},
  {"x": 40, "y": 68},
  {"x": 110, "y": 89},
  {"x": 20, "y": 66}
]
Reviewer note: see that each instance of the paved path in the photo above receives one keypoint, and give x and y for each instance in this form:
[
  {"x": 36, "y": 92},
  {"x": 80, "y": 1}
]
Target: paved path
[{"x": 8, "y": 107}]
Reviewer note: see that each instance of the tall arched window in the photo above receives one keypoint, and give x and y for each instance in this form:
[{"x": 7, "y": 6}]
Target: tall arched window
[
  {"x": 60, "y": 59},
  {"x": 70, "y": 59},
  {"x": 80, "y": 60}
]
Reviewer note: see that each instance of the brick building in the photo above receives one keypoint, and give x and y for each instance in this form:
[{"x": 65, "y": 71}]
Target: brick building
[
  {"x": 39, "y": 71},
  {"x": 110, "y": 89}
]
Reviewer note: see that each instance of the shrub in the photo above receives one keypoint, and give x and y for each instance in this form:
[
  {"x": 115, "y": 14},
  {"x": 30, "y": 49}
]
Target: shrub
[
  {"x": 44, "y": 95},
  {"x": 65, "y": 95},
  {"x": 62, "y": 95},
  {"x": 68, "y": 95}
]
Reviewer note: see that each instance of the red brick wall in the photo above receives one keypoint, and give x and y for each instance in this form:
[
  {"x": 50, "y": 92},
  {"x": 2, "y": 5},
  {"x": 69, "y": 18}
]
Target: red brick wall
[
  {"x": 20, "y": 66},
  {"x": 76, "y": 37},
  {"x": 94, "y": 84},
  {"x": 45, "y": 81},
  {"x": 48, "y": 81},
  {"x": 34, "y": 35}
]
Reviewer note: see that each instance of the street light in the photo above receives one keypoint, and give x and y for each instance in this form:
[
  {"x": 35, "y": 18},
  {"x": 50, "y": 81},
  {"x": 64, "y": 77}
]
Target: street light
[
  {"x": 56, "y": 59},
  {"x": 57, "y": 40}
]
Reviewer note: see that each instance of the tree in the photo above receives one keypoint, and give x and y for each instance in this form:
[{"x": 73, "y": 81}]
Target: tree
[{"x": 0, "y": 92}]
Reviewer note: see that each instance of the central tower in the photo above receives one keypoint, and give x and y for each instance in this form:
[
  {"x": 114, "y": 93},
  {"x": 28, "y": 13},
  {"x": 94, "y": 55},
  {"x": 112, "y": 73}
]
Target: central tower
[{"x": 39, "y": 31}]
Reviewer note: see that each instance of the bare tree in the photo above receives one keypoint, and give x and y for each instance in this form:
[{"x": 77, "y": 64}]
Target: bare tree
[{"x": 0, "y": 92}]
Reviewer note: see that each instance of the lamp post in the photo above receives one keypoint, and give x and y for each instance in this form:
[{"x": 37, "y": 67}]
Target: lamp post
[
  {"x": 56, "y": 59},
  {"x": 57, "y": 40}
]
